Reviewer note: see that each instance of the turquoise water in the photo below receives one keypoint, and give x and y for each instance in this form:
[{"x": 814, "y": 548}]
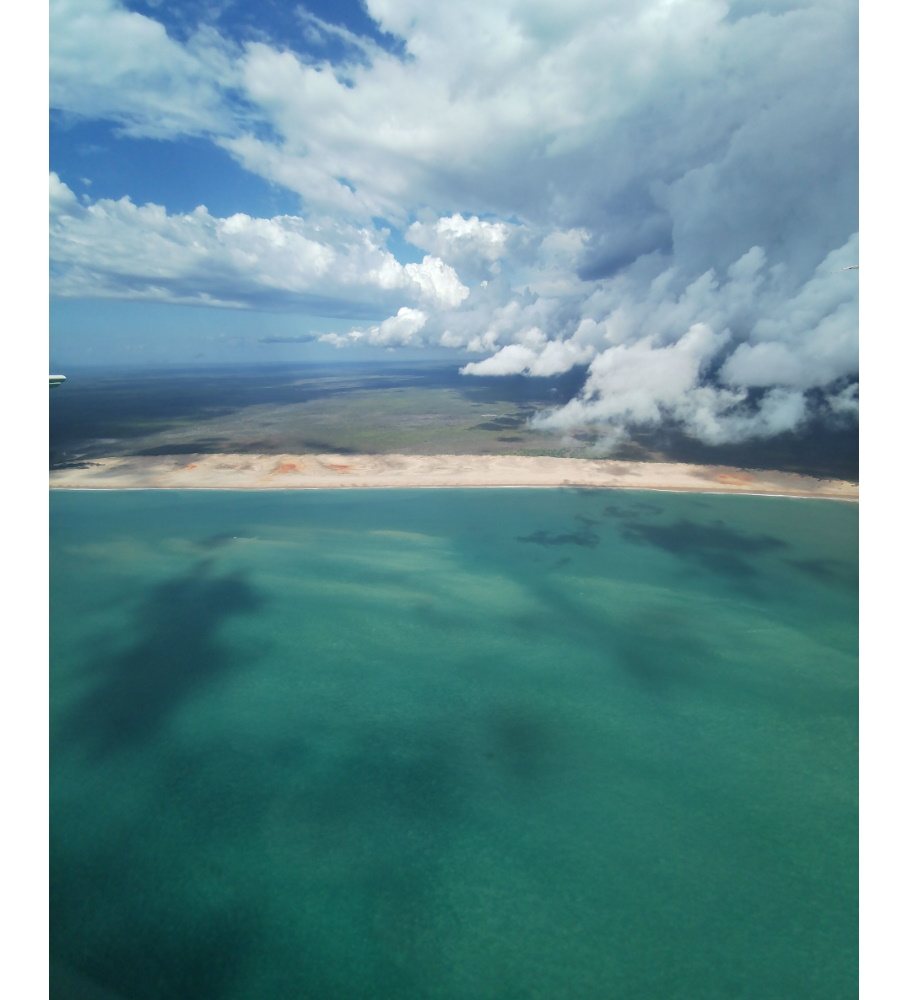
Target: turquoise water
[{"x": 452, "y": 744}]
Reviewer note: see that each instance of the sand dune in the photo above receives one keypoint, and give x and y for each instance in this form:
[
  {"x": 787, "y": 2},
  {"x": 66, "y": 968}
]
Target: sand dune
[{"x": 403, "y": 471}]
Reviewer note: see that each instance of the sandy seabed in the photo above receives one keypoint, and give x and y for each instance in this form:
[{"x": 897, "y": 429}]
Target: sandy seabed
[{"x": 292, "y": 472}]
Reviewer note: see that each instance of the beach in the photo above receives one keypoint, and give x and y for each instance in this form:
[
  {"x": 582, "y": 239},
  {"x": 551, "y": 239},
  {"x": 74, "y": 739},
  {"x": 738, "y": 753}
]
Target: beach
[{"x": 268, "y": 472}]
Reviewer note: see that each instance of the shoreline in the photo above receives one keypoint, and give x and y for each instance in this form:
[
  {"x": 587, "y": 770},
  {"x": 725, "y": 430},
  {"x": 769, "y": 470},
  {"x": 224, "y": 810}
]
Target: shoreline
[{"x": 298, "y": 472}]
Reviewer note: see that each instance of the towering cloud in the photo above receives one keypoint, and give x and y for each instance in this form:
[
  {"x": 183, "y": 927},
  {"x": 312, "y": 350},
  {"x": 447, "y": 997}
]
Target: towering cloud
[{"x": 662, "y": 190}]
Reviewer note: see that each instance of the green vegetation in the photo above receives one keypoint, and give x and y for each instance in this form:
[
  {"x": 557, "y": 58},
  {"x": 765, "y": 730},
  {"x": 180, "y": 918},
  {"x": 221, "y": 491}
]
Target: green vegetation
[
  {"x": 343, "y": 414},
  {"x": 424, "y": 410}
]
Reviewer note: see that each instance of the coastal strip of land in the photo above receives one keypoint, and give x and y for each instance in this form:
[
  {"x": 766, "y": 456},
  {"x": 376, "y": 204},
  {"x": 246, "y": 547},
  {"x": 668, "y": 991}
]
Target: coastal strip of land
[{"x": 297, "y": 472}]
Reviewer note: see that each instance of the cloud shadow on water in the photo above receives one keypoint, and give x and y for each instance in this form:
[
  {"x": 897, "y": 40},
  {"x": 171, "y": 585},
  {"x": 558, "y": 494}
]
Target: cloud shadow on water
[
  {"x": 831, "y": 572},
  {"x": 155, "y": 957},
  {"x": 715, "y": 547},
  {"x": 176, "y": 652}
]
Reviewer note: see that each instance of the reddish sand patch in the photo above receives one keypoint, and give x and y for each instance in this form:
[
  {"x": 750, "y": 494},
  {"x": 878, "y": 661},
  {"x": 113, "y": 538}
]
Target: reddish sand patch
[{"x": 229, "y": 471}]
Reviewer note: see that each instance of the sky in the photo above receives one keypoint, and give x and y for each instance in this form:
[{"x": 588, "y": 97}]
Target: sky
[{"x": 660, "y": 192}]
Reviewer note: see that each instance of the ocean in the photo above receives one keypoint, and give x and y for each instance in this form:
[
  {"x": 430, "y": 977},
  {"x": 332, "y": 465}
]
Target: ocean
[{"x": 455, "y": 744}]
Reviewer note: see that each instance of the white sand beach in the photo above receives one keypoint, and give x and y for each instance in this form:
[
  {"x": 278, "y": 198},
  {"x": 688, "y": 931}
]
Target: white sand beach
[{"x": 293, "y": 472}]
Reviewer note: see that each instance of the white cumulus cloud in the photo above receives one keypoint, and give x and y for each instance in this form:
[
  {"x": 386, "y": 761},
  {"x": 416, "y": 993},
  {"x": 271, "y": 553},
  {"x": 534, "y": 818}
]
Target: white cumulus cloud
[
  {"x": 457, "y": 240},
  {"x": 116, "y": 249},
  {"x": 396, "y": 331}
]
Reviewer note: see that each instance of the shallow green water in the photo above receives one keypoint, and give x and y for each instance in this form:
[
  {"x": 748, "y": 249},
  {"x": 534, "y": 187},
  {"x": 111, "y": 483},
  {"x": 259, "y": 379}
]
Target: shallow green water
[{"x": 452, "y": 744}]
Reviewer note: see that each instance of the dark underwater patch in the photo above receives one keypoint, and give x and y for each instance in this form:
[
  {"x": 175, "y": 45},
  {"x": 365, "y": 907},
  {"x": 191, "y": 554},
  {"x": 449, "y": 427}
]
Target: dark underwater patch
[
  {"x": 176, "y": 651},
  {"x": 717, "y": 548},
  {"x": 584, "y": 536},
  {"x": 832, "y": 572},
  {"x": 638, "y": 509}
]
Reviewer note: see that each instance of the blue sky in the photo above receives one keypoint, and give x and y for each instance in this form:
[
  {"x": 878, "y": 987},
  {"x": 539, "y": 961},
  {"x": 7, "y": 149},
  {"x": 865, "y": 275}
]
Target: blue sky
[{"x": 662, "y": 190}]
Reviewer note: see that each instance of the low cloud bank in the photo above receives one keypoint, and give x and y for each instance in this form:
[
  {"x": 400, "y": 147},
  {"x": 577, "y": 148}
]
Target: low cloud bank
[
  {"x": 727, "y": 358},
  {"x": 695, "y": 356}
]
